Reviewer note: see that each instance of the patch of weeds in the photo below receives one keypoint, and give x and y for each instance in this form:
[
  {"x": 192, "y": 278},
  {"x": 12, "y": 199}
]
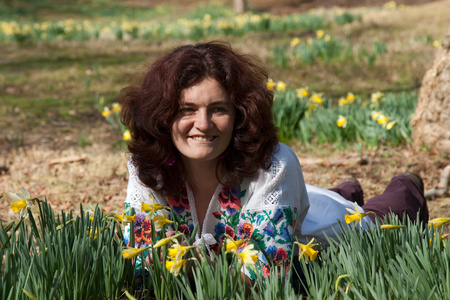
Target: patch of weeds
[
  {"x": 83, "y": 139},
  {"x": 68, "y": 110},
  {"x": 347, "y": 18},
  {"x": 46, "y": 9},
  {"x": 386, "y": 154}
]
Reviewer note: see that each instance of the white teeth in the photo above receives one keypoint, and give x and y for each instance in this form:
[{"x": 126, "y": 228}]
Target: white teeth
[{"x": 203, "y": 138}]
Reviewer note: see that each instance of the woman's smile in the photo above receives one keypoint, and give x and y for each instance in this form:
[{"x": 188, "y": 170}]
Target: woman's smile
[{"x": 203, "y": 138}]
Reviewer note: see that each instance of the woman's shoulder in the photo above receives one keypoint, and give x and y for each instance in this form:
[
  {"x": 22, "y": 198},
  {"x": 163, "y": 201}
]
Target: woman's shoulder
[
  {"x": 137, "y": 192},
  {"x": 281, "y": 184},
  {"x": 284, "y": 155}
]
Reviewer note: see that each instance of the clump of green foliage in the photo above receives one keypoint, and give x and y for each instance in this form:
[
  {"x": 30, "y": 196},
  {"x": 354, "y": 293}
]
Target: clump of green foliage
[{"x": 84, "y": 257}]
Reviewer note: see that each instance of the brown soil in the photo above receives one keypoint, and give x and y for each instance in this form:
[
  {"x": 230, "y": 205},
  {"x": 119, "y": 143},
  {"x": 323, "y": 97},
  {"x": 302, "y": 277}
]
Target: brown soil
[{"x": 290, "y": 6}]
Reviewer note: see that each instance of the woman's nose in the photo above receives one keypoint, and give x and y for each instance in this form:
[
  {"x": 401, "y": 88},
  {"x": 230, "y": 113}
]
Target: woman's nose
[{"x": 203, "y": 121}]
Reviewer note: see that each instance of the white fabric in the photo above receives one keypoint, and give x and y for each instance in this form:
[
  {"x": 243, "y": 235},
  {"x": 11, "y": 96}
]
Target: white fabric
[
  {"x": 326, "y": 208},
  {"x": 281, "y": 185}
]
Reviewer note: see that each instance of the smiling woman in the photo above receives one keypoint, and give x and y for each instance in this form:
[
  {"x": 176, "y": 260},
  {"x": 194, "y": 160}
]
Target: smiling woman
[{"x": 204, "y": 147}]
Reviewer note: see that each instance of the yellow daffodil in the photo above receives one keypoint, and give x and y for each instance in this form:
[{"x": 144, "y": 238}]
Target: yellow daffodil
[
  {"x": 375, "y": 97},
  {"x": 438, "y": 222},
  {"x": 126, "y": 135},
  {"x": 295, "y": 42},
  {"x": 437, "y": 44},
  {"x": 270, "y": 84},
  {"x": 320, "y": 34},
  {"x": 123, "y": 218},
  {"x": 248, "y": 256},
  {"x": 327, "y": 38},
  {"x": 167, "y": 240},
  {"x": 302, "y": 92},
  {"x": 390, "y": 125},
  {"x": 96, "y": 232},
  {"x": 382, "y": 119},
  {"x": 374, "y": 115},
  {"x": 22, "y": 202},
  {"x": 116, "y": 107},
  {"x": 311, "y": 107},
  {"x": 307, "y": 251},
  {"x": 151, "y": 207},
  {"x": 90, "y": 212},
  {"x": 130, "y": 252},
  {"x": 342, "y": 101},
  {"x": 281, "y": 86},
  {"x": 341, "y": 121},
  {"x": 160, "y": 221},
  {"x": 19, "y": 205},
  {"x": 176, "y": 252},
  {"x": 174, "y": 266},
  {"x": 441, "y": 239},
  {"x": 232, "y": 245},
  {"x": 392, "y": 226},
  {"x": 355, "y": 215},
  {"x": 317, "y": 98},
  {"x": 95, "y": 235},
  {"x": 106, "y": 112},
  {"x": 350, "y": 97}
]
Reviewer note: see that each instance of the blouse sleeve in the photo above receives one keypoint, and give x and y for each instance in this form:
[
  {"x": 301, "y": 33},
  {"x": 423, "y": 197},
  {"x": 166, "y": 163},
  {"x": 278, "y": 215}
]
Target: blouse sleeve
[
  {"x": 136, "y": 191},
  {"x": 137, "y": 194},
  {"x": 275, "y": 210}
]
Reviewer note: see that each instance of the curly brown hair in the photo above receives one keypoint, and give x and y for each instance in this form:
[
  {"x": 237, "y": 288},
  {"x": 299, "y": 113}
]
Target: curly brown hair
[{"x": 148, "y": 109}]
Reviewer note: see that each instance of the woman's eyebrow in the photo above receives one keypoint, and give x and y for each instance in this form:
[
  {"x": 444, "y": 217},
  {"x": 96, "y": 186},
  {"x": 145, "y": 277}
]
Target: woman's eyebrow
[{"x": 217, "y": 102}]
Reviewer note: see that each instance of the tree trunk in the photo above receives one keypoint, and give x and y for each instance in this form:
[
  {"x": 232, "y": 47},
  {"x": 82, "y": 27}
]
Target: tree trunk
[
  {"x": 239, "y": 6},
  {"x": 431, "y": 121}
]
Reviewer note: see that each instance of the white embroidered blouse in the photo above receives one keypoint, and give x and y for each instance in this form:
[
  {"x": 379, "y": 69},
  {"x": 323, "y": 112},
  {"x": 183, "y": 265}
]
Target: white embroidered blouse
[{"x": 273, "y": 208}]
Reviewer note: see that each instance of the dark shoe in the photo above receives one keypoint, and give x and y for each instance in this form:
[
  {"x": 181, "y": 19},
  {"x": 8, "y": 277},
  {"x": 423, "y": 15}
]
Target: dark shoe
[
  {"x": 350, "y": 189},
  {"x": 417, "y": 181}
]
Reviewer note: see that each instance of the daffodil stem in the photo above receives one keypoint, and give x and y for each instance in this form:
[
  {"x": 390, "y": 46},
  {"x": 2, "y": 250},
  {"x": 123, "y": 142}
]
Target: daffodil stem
[
  {"x": 131, "y": 238},
  {"x": 33, "y": 224}
]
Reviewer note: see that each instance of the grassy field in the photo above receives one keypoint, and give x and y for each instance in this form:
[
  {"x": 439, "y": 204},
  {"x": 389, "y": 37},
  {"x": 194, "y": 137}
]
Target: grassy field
[{"x": 50, "y": 86}]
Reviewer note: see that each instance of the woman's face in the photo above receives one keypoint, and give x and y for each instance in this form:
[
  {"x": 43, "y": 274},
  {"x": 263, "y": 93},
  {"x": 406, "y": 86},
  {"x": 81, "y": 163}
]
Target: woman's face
[{"x": 203, "y": 128}]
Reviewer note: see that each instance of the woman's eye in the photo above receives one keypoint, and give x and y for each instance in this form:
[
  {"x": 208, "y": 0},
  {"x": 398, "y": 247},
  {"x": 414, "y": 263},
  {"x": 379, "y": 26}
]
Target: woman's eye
[
  {"x": 219, "y": 109},
  {"x": 186, "y": 110}
]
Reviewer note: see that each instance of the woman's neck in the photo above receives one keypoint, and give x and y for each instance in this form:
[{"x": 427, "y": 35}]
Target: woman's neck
[{"x": 201, "y": 175}]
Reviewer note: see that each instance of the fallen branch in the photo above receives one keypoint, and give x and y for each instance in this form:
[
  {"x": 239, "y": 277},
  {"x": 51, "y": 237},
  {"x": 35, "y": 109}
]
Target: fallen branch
[
  {"x": 69, "y": 159},
  {"x": 442, "y": 187},
  {"x": 361, "y": 160}
]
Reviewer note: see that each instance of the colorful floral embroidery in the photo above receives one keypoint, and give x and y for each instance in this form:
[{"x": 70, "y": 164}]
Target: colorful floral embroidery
[
  {"x": 181, "y": 211},
  {"x": 230, "y": 203},
  {"x": 142, "y": 231},
  {"x": 230, "y": 198},
  {"x": 180, "y": 203}
]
